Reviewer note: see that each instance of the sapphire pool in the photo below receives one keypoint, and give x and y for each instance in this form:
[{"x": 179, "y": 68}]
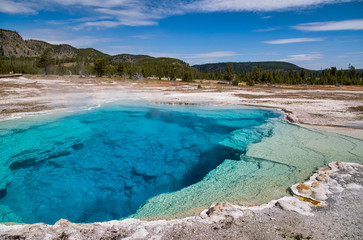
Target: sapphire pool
[{"x": 143, "y": 160}]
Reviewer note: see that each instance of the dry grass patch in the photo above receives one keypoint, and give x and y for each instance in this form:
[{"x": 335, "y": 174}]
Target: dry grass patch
[
  {"x": 19, "y": 85},
  {"x": 23, "y": 107},
  {"x": 358, "y": 109},
  {"x": 307, "y": 95},
  {"x": 26, "y": 109}
]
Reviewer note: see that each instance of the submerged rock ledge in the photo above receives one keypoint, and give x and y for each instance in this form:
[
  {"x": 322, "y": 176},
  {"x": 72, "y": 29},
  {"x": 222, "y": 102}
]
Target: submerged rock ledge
[{"x": 327, "y": 206}]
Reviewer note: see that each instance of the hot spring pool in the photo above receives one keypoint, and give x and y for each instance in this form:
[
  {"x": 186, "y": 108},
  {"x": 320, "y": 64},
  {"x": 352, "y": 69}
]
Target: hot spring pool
[{"x": 142, "y": 160}]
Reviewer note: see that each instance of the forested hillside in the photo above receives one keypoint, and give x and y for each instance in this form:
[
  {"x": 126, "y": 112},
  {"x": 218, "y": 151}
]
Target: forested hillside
[
  {"x": 36, "y": 57},
  {"x": 39, "y": 57},
  {"x": 239, "y": 67}
]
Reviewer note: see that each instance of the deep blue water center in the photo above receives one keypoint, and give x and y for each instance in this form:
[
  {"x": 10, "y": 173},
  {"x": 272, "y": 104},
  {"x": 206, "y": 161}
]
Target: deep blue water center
[{"x": 104, "y": 164}]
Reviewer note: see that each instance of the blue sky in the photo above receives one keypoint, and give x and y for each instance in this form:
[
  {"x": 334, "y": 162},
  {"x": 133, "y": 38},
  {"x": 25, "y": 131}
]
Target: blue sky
[{"x": 314, "y": 34}]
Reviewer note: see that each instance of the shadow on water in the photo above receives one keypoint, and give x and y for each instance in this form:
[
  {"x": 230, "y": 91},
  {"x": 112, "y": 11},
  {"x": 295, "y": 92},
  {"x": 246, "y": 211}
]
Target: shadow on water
[
  {"x": 208, "y": 161},
  {"x": 31, "y": 162},
  {"x": 190, "y": 121},
  {"x": 111, "y": 181},
  {"x": 3, "y": 193}
]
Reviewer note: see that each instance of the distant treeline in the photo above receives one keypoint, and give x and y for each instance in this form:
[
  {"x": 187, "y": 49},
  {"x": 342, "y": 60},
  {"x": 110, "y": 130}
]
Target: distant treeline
[
  {"x": 330, "y": 76},
  {"x": 172, "y": 69},
  {"x": 239, "y": 67},
  {"x": 148, "y": 67}
]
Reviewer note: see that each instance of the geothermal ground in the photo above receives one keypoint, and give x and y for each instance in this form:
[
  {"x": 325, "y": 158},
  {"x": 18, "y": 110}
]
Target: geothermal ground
[
  {"x": 329, "y": 206},
  {"x": 304, "y": 216},
  {"x": 311, "y": 105}
]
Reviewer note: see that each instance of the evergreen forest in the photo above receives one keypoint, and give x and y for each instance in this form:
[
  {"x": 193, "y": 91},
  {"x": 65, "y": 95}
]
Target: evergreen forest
[{"x": 172, "y": 69}]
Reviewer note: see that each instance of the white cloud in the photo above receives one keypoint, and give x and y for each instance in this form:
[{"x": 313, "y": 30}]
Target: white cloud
[
  {"x": 132, "y": 17},
  {"x": 101, "y": 24},
  {"x": 78, "y": 20},
  {"x": 271, "y": 29},
  {"x": 80, "y": 41},
  {"x": 256, "y": 5},
  {"x": 216, "y": 54},
  {"x": 355, "y": 24},
  {"x": 302, "y": 57},
  {"x": 293, "y": 40},
  {"x": 54, "y": 36},
  {"x": 15, "y": 7},
  {"x": 207, "y": 55},
  {"x": 96, "y": 3},
  {"x": 148, "y": 12},
  {"x": 143, "y": 36}
]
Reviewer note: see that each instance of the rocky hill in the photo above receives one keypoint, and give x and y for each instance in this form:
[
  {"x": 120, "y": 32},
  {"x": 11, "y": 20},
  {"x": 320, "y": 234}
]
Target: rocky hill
[
  {"x": 129, "y": 58},
  {"x": 13, "y": 45}
]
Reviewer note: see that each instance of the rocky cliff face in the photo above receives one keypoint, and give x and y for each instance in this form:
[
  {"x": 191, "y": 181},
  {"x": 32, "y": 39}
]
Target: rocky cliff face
[
  {"x": 37, "y": 46},
  {"x": 12, "y": 44},
  {"x": 60, "y": 51}
]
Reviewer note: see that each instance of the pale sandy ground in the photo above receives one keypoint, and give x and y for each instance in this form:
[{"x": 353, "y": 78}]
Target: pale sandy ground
[
  {"x": 335, "y": 109},
  {"x": 318, "y": 106}
]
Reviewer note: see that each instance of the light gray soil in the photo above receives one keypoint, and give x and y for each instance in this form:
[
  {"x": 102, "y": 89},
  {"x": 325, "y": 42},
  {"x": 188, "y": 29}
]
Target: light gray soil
[{"x": 342, "y": 219}]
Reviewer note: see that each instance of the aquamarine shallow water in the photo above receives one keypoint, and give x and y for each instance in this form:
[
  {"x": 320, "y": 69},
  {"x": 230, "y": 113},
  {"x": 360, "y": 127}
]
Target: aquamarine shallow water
[{"x": 105, "y": 164}]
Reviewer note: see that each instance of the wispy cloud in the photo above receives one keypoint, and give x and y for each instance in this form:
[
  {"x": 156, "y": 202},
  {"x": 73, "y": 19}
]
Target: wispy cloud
[
  {"x": 96, "y": 3},
  {"x": 293, "y": 40},
  {"x": 149, "y": 12},
  {"x": 12, "y": 7},
  {"x": 256, "y": 5},
  {"x": 206, "y": 55},
  {"x": 216, "y": 54},
  {"x": 355, "y": 24},
  {"x": 143, "y": 36},
  {"x": 129, "y": 49},
  {"x": 84, "y": 41},
  {"x": 78, "y": 20},
  {"x": 135, "y": 16},
  {"x": 54, "y": 36},
  {"x": 198, "y": 58},
  {"x": 302, "y": 57},
  {"x": 271, "y": 29},
  {"x": 99, "y": 24}
]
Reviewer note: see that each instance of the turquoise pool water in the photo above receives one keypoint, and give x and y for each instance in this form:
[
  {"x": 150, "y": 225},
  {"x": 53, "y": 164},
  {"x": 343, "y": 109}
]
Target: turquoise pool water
[{"x": 143, "y": 160}]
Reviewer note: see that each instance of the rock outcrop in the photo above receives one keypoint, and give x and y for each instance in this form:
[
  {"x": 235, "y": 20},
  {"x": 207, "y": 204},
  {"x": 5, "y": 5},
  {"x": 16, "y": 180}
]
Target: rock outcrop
[{"x": 13, "y": 45}]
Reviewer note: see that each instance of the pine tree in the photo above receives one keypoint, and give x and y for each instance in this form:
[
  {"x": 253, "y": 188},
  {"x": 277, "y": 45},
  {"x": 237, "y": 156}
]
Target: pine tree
[
  {"x": 1, "y": 51},
  {"x": 120, "y": 69},
  {"x": 229, "y": 75},
  {"x": 303, "y": 74},
  {"x": 100, "y": 66},
  {"x": 256, "y": 75},
  {"x": 46, "y": 60}
]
